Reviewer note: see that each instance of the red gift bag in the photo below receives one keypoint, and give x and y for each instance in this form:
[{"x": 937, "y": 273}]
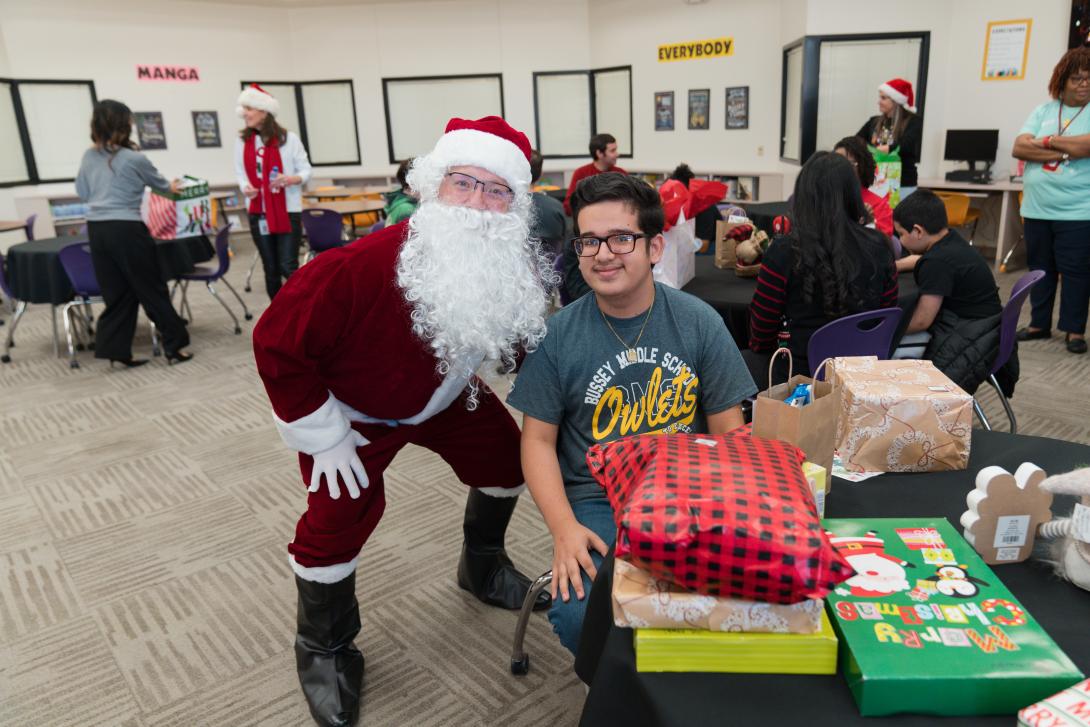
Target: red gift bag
[{"x": 728, "y": 515}]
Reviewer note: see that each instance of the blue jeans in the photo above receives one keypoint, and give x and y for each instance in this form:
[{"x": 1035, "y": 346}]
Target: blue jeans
[
  {"x": 1062, "y": 249},
  {"x": 592, "y": 510}
]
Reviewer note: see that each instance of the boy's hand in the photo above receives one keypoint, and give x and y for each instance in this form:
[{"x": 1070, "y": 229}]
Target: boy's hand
[{"x": 571, "y": 552}]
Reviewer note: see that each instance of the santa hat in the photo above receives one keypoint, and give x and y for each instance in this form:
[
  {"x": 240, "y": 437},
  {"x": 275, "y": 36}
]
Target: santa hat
[
  {"x": 900, "y": 91},
  {"x": 851, "y": 546},
  {"x": 258, "y": 98},
  {"x": 490, "y": 143}
]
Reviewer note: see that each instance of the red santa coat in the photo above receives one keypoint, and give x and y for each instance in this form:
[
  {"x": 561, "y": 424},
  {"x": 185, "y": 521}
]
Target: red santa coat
[{"x": 337, "y": 342}]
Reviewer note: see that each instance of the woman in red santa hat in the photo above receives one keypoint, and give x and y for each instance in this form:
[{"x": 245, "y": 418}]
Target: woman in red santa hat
[
  {"x": 376, "y": 345},
  {"x": 897, "y": 128},
  {"x": 271, "y": 166}
]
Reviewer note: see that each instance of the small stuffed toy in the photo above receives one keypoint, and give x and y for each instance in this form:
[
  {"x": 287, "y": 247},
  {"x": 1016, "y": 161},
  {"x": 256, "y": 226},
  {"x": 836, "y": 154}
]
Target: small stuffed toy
[{"x": 1071, "y": 551}]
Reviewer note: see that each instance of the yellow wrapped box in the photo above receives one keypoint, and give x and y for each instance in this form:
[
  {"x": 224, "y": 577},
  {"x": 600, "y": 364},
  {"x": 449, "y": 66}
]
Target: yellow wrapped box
[
  {"x": 818, "y": 479},
  {"x": 900, "y": 416},
  {"x": 642, "y": 601}
]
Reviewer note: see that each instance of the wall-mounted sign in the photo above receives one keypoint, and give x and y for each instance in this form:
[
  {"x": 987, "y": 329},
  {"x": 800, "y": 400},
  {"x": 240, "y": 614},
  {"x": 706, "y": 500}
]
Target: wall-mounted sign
[
  {"x": 206, "y": 126},
  {"x": 149, "y": 129},
  {"x": 738, "y": 107},
  {"x": 167, "y": 73},
  {"x": 1005, "y": 49},
  {"x": 696, "y": 49}
]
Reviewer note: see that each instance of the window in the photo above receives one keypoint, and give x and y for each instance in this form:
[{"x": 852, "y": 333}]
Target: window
[
  {"x": 418, "y": 108},
  {"x": 572, "y": 106},
  {"x": 323, "y": 114},
  {"x": 48, "y": 122},
  {"x": 830, "y": 85}
]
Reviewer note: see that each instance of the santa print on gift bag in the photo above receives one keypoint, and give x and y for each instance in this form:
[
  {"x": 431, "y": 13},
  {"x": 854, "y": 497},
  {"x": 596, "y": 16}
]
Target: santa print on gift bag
[{"x": 728, "y": 515}]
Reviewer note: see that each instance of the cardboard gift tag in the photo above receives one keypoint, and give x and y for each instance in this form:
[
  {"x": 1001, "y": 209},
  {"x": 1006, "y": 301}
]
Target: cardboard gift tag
[{"x": 1005, "y": 511}]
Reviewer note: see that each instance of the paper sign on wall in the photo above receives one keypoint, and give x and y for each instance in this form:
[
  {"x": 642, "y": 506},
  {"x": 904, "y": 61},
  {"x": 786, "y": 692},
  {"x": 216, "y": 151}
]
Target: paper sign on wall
[
  {"x": 167, "y": 73},
  {"x": 1005, "y": 49},
  {"x": 696, "y": 49}
]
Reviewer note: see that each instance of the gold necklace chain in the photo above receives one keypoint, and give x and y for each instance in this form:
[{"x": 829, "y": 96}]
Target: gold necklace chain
[{"x": 630, "y": 351}]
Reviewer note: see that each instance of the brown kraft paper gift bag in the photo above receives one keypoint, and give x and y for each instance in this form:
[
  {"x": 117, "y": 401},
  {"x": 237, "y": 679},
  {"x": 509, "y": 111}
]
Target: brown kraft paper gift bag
[
  {"x": 900, "y": 416},
  {"x": 811, "y": 428}
]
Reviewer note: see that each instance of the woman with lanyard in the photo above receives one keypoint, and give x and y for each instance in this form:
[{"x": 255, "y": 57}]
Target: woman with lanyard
[
  {"x": 1055, "y": 144},
  {"x": 272, "y": 167},
  {"x": 896, "y": 128}
]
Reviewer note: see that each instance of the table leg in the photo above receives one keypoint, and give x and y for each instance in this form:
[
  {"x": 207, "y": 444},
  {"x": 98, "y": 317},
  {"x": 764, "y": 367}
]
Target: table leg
[
  {"x": 1001, "y": 232},
  {"x": 56, "y": 340}
]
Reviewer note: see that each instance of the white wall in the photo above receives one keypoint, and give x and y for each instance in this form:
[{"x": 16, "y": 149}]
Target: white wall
[{"x": 629, "y": 32}]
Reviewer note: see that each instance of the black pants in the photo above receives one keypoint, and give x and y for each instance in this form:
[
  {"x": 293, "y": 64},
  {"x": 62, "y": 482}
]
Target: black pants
[
  {"x": 127, "y": 268},
  {"x": 1062, "y": 249},
  {"x": 279, "y": 253}
]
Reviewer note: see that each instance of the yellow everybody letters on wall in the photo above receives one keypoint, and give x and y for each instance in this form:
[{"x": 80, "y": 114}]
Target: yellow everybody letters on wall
[{"x": 695, "y": 49}]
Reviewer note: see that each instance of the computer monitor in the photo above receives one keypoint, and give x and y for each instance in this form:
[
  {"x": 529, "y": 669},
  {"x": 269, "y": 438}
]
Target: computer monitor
[{"x": 971, "y": 145}]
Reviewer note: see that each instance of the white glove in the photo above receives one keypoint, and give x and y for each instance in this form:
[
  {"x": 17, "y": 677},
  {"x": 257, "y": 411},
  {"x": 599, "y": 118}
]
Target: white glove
[{"x": 340, "y": 459}]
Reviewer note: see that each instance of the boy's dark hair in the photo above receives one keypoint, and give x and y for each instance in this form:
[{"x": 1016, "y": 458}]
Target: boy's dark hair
[
  {"x": 924, "y": 208},
  {"x": 403, "y": 171},
  {"x": 536, "y": 161},
  {"x": 599, "y": 142},
  {"x": 683, "y": 174},
  {"x": 614, "y": 186},
  {"x": 861, "y": 156}
]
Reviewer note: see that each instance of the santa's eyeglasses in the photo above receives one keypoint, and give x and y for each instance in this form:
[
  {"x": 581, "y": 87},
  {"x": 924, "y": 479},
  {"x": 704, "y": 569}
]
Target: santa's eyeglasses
[
  {"x": 462, "y": 186},
  {"x": 618, "y": 244}
]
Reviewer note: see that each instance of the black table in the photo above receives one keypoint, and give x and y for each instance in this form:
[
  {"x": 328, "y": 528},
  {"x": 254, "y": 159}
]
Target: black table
[
  {"x": 761, "y": 214},
  {"x": 730, "y": 295},
  {"x": 35, "y": 274},
  {"x": 619, "y": 695}
]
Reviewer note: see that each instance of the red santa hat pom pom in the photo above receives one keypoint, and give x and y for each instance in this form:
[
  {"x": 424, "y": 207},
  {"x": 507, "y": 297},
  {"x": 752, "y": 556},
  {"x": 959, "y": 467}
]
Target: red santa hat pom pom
[
  {"x": 900, "y": 91},
  {"x": 490, "y": 143},
  {"x": 781, "y": 225},
  {"x": 258, "y": 98}
]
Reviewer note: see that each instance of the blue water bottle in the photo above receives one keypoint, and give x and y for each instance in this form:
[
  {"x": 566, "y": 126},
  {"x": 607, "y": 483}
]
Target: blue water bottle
[{"x": 273, "y": 175}]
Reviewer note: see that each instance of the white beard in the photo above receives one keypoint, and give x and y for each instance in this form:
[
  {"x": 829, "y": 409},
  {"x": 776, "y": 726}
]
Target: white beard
[{"x": 474, "y": 281}]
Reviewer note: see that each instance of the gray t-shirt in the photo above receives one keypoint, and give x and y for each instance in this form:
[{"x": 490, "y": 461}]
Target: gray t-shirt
[
  {"x": 114, "y": 188},
  {"x": 580, "y": 379}
]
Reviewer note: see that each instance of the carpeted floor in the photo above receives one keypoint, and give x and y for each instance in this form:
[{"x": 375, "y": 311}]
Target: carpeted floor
[{"x": 143, "y": 522}]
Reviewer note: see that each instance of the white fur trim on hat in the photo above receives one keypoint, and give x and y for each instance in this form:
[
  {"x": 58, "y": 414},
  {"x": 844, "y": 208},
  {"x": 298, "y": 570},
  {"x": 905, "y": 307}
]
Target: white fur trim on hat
[
  {"x": 896, "y": 96},
  {"x": 469, "y": 147},
  {"x": 259, "y": 100}
]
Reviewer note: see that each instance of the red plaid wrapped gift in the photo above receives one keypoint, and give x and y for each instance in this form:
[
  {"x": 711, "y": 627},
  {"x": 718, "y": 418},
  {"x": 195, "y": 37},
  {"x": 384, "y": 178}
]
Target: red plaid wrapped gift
[{"x": 727, "y": 515}]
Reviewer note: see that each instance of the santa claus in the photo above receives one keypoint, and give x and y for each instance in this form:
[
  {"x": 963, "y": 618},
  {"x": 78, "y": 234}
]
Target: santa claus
[{"x": 376, "y": 345}]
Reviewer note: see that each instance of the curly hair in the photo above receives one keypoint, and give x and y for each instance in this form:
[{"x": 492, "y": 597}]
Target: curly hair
[
  {"x": 858, "y": 153},
  {"x": 1076, "y": 59}
]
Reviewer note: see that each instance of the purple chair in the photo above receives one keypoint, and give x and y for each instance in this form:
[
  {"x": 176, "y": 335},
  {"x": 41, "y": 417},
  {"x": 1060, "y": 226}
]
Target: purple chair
[
  {"x": 1008, "y": 341},
  {"x": 18, "y": 308},
  {"x": 30, "y": 226},
  {"x": 377, "y": 226},
  {"x": 561, "y": 291},
  {"x": 861, "y": 334},
  {"x": 325, "y": 231},
  {"x": 76, "y": 261},
  {"x": 209, "y": 274}
]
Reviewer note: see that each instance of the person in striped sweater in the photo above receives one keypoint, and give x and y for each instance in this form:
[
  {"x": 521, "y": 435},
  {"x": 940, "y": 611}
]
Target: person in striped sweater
[{"x": 828, "y": 265}]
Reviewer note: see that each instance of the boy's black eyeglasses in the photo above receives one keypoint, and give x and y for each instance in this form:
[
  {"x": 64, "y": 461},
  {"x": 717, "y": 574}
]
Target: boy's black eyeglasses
[{"x": 618, "y": 244}]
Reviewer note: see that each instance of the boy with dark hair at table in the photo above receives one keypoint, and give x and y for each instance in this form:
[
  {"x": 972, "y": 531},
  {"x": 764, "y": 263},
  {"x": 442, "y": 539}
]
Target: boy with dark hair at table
[
  {"x": 956, "y": 321},
  {"x": 634, "y": 357}
]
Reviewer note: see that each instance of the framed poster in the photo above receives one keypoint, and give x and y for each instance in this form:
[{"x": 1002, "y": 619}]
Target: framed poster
[
  {"x": 738, "y": 107},
  {"x": 699, "y": 104},
  {"x": 149, "y": 130},
  {"x": 206, "y": 127},
  {"x": 664, "y": 111},
  {"x": 1005, "y": 48}
]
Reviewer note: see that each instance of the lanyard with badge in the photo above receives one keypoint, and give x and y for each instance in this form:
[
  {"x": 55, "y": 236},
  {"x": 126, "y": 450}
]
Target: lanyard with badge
[
  {"x": 1054, "y": 165},
  {"x": 262, "y": 223}
]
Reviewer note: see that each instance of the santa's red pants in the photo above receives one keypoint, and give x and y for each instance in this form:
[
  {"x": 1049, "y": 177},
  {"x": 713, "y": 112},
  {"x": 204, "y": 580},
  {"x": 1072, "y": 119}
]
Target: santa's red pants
[{"x": 481, "y": 446}]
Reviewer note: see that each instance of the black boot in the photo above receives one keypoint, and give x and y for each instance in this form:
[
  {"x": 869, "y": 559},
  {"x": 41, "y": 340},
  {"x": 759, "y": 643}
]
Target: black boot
[
  {"x": 484, "y": 569},
  {"x": 330, "y": 666}
]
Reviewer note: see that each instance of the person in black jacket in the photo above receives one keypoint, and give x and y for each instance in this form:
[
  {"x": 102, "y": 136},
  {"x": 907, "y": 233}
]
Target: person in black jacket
[
  {"x": 956, "y": 321},
  {"x": 897, "y": 128}
]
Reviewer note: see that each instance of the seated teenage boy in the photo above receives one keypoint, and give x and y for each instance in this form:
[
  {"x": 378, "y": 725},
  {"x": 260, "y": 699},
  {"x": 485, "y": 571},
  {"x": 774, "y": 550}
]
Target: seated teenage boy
[
  {"x": 634, "y": 357},
  {"x": 956, "y": 320}
]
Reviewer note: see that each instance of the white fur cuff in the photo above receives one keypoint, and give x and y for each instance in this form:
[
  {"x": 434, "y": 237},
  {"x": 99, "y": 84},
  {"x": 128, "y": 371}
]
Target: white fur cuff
[
  {"x": 316, "y": 432},
  {"x": 470, "y": 147},
  {"x": 324, "y": 573},
  {"x": 502, "y": 491}
]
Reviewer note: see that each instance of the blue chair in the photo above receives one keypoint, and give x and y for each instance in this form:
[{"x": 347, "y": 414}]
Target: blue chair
[
  {"x": 209, "y": 274},
  {"x": 862, "y": 334}
]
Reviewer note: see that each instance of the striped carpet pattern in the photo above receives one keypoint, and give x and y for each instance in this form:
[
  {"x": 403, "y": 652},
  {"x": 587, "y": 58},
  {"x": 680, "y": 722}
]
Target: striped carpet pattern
[{"x": 143, "y": 522}]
